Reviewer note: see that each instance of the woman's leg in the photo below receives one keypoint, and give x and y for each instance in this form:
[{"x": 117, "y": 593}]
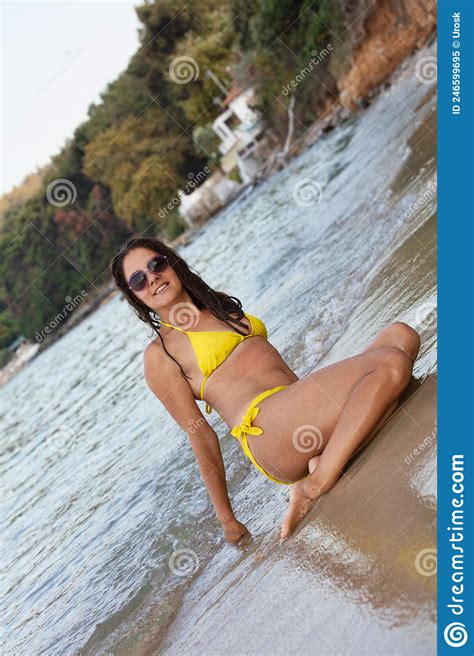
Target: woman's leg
[
  {"x": 398, "y": 335},
  {"x": 300, "y": 419},
  {"x": 371, "y": 401},
  {"x": 404, "y": 337}
]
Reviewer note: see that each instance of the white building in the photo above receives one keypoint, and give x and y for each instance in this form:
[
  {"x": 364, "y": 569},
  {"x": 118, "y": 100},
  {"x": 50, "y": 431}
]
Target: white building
[
  {"x": 244, "y": 145},
  {"x": 207, "y": 199},
  {"x": 244, "y": 142}
]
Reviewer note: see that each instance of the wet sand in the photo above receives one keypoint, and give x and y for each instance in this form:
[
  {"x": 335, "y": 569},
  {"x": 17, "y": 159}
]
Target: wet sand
[{"x": 358, "y": 577}]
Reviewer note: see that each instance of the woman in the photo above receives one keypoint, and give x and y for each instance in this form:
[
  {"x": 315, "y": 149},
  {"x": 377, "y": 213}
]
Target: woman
[{"x": 296, "y": 432}]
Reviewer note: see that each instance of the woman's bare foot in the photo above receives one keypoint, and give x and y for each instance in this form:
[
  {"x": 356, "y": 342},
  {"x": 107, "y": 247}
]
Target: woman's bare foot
[
  {"x": 303, "y": 494},
  {"x": 300, "y": 503}
]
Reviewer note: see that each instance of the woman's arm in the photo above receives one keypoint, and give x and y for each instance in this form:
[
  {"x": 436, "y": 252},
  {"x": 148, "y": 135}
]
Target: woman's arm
[{"x": 172, "y": 389}]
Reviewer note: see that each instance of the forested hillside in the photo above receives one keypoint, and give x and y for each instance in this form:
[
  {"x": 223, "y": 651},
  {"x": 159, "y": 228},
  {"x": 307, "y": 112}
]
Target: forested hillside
[{"x": 149, "y": 136}]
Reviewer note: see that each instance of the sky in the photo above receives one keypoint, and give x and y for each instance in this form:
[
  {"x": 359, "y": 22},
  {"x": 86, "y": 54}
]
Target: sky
[{"x": 57, "y": 57}]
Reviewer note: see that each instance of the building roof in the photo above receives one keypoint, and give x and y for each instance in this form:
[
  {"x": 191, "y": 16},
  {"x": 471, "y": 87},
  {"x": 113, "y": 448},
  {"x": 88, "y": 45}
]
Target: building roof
[{"x": 234, "y": 91}]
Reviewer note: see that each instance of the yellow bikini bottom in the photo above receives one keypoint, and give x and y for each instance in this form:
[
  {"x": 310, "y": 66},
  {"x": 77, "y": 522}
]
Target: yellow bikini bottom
[{"x": 246, "y": 428}]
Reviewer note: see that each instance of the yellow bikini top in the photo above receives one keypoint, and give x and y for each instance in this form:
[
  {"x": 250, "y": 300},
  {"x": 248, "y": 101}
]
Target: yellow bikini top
[{"x": 212, "y": 347}]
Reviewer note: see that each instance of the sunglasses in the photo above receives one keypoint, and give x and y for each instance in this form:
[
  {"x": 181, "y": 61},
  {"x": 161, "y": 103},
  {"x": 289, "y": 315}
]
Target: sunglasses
[{"x": 156, "y": 264}]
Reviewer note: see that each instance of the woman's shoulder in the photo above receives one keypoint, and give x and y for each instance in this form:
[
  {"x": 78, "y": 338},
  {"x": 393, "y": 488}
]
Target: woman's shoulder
[
  {"x": 156, "y": 360},
  {"x": 154, "y": 350}
]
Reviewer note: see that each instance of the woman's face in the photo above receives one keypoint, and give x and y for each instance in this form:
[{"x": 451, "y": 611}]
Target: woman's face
[{"x": 161, "y": 288}]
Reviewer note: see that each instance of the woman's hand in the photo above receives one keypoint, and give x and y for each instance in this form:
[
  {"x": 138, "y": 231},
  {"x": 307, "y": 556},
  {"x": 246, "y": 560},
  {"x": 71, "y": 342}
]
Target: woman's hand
[{"x": 234, "y": 530}]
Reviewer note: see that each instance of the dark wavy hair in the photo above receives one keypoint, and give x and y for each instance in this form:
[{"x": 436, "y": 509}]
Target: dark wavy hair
[{"x": 220, "y": 304}]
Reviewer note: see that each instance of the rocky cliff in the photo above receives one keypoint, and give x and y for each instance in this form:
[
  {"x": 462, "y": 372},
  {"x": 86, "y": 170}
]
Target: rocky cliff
[{"x": 381, "y": 35}]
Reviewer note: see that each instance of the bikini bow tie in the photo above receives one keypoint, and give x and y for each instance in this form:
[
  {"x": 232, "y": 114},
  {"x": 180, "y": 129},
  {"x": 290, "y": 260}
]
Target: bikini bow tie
[{"x": 246, "y": 425}]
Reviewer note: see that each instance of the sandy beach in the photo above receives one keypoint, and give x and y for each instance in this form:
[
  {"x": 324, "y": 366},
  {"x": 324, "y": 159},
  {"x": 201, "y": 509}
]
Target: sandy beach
[{"x": 357, "y": 578}]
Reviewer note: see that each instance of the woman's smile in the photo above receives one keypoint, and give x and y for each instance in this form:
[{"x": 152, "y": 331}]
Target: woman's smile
[{"x": 161, "y": 287}]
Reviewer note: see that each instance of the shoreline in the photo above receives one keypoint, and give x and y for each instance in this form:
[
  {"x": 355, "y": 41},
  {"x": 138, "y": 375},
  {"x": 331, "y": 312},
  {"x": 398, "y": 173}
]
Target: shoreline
[{"x": 374, "y": 568}]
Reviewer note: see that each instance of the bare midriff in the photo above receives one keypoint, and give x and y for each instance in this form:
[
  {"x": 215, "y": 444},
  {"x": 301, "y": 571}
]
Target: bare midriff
[{"x": 253, "y": 367}]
